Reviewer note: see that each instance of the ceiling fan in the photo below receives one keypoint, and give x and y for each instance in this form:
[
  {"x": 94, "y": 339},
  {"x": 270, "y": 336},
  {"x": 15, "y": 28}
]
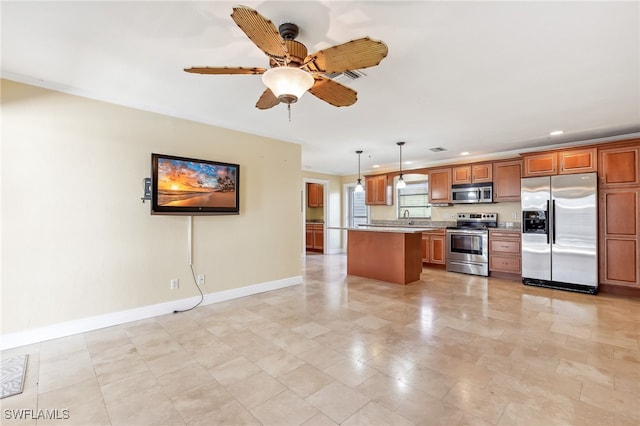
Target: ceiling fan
[{"x": 292, "y": 71}]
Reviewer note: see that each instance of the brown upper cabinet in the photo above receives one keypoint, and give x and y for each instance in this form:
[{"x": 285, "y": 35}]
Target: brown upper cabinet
[
  {"x": 582, "y": 160},
  {"x": 378, "y": 191},
  {"x": 315, "y": 195},
  {"x": 440, "y": 186},
  {"x": 619, "y": 167},
  {"x": 472, "y": 173},
  {"x": 506, "y": 180}
]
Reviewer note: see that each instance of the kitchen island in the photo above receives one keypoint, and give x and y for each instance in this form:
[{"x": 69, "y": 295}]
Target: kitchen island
[{"x": 392, "y": 254}]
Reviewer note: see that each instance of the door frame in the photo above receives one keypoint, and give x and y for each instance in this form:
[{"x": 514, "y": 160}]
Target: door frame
[{"x": 325, "y": 209}]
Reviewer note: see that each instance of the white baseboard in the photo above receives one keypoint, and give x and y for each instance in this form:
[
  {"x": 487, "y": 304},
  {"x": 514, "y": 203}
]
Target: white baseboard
[{"x": 63, "y": 329}]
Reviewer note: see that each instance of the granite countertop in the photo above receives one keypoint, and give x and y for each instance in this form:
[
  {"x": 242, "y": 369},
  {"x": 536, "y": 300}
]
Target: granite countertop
[
  {"x": 509, "y": 226},
  {"x": 395, "y": 229},
  {"x": 411, "y": 223}
]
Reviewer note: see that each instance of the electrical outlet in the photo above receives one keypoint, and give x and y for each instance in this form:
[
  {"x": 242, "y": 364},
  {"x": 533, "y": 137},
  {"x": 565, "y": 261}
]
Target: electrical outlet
[
  {"x": 514, "y": 215},
  {"x": 174, "y": 284},
  {"x": 201, "y": 279}
]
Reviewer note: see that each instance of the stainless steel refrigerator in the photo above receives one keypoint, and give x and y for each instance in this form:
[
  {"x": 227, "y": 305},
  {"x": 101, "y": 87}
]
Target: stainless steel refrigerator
[{"x": 560, "y": 232}]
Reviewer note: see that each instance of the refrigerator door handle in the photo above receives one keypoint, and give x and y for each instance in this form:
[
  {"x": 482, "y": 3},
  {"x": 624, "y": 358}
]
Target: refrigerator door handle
[
  {"x": 547, "y": 224},
  {"x": 553, "y": 220}
]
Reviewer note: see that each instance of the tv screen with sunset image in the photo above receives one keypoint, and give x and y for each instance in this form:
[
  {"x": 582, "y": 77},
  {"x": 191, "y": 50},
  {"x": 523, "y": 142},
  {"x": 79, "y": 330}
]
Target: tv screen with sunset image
[{"x": 193, "y": 187}]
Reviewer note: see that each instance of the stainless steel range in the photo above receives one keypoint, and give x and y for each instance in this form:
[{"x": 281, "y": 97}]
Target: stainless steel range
[{"x": 468, "y": 243}]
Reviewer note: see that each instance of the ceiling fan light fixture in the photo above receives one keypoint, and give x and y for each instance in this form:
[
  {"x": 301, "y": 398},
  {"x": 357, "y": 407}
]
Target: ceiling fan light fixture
[{"x": 288, "y": 84}]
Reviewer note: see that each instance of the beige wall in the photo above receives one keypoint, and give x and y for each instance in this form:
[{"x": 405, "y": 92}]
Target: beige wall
[{"x": 78, "y": 242}]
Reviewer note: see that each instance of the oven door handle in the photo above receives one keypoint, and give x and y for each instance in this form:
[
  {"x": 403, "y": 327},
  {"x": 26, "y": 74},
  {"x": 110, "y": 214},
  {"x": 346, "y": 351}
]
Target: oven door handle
[{"x": 467, "y": 231}]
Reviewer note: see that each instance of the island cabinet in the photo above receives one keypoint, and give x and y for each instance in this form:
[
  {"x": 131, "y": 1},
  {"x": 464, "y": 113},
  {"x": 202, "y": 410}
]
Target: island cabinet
[
  {"x": 314, "y": 236},
  {"x": 440, "y": 186},
  {"x": 506, "y": 180},
  {"x": 391, "y": 255},
  {"x": 505, "y": 257},
  {"x": 619, "y": 215},
  {"x": 583, "y": 160},
  {"x": 433, "y": 247},
  {"x": 472, "y": 173},
  {"x": 315, "y": 195},
  {"x": 378, "y": 190}
]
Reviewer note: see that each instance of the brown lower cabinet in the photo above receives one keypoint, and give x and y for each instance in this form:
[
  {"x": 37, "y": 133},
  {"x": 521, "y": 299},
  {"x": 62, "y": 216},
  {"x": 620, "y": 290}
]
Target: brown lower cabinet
[
  {"x": 314, "y": 237},
  {"x": 505, "y": 258},
  {"x": 433, "y": 247},
  {"x": 619, "y": 241}
]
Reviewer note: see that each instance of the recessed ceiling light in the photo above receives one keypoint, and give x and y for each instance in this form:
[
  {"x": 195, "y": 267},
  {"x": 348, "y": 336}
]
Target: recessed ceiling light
[
  {"x": 375, "y": 166},
  {"x": 408, "y": 162},
  {"x": 464, "y": 153},
  {"x": 556, "y": 132}
]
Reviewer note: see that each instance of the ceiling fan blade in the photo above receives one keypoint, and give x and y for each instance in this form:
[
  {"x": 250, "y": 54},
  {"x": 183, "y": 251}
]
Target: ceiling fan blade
[
  {"x": 225, "y": 70},
  {"x": 267, "y": 100},
  {"x": 261, "y": 31},
  {"x": 352, "y": 55},
  {"x": 333, "y": 92}
]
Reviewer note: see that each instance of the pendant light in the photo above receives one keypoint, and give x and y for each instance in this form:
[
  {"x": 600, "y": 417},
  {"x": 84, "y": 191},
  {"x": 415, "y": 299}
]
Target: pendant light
[
  {"x": 359, "y": 187},
  {"x": 401, "y": 183}
]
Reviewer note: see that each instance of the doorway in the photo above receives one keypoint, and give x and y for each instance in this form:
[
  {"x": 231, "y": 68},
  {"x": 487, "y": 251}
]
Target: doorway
[{"x": 315, "y": 200}]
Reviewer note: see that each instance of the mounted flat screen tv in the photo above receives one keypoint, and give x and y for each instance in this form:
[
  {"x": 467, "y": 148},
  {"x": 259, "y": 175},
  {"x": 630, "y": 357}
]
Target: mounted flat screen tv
[{"x": 186, "y": 186}]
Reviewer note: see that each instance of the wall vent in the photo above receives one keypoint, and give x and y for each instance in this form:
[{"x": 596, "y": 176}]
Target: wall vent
[
  {"x": 438, "y": 149},
  {"x": 346, "y": 76}
]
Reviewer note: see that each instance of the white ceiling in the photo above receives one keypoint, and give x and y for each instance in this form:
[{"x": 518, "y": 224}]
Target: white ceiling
[{"x": 483, "y": 77}]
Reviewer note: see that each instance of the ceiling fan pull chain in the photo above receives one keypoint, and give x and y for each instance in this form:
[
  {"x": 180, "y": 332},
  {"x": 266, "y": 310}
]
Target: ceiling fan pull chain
[{"x": 289, "y": 109}]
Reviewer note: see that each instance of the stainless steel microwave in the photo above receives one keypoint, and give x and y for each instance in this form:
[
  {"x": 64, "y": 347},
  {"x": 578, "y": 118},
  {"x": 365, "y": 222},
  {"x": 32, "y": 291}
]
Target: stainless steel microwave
[{"x": 472, "y": 193}]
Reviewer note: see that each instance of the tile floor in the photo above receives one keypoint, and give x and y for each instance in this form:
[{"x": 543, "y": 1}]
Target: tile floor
[{"x": 451, "y": 349}]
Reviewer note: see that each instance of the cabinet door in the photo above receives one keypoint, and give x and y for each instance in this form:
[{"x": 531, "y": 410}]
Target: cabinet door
[
  {"x": 620, "y": 237},
  {"x": 312, "y": 194},
  {"x": 320, "y": 202},
  {"x": 377, "y": 190},
  {"x": 507, "y": 264},
  {"x": 318, "y": 237},
  {"x": 540, "y": 164},
  {"x": 578, "y": 161},
  {"x": 370, "y": 191},
  {"x": 437, "y": 249},
  {"x": 504, "y": 246},
  {"x": 425, "y": 248},
  {"x": 619, "y": 167},
  {"x": 481, "y": 173},
  {"x": 461, "y": 174},
  {"x": 506, "y": 181},
  {"x": 308, "y": 236},
  {"x": 440, "y": 186},
  {"x": 381, "y": 190}
]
